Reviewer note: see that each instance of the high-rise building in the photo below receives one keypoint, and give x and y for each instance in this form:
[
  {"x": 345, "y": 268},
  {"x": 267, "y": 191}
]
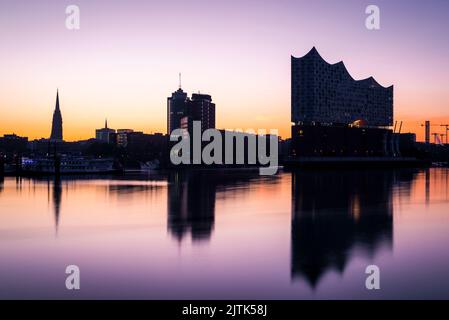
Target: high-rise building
[
  {"x": 105, "y": 134},
  {"x": 176, "y": 107},
  {"x": 201, "y": 108},
  {"x": 327, "y": 94},
  {"x": 56, "y": 128},
  {"x": 182, "y": 111}
]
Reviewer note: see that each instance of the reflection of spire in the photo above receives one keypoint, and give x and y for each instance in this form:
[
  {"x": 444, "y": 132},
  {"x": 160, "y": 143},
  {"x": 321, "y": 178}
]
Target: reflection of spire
[{"x": 57, "y": 192}]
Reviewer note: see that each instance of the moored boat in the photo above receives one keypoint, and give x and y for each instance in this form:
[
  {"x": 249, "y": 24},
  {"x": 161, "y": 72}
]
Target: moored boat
[{"x": 67, "y": 165}]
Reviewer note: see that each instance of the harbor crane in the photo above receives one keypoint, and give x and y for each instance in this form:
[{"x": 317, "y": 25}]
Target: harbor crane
[
  {"x": 436, "y": 134},
  {"x": 447, "y": 129}
]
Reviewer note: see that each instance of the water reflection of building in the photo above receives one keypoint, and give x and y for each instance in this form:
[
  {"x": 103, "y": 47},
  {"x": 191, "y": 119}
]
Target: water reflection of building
[
  {"x": 192, "y": 197},
  {"x": 334, "y": 212},
  {"x": 191, "y": 205}
]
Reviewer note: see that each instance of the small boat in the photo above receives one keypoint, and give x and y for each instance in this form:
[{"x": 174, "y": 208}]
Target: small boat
[
  {"x": 67, "y": 165},
  {"x": 150, "y": 165},
  {"x": 439, "y": 164}
]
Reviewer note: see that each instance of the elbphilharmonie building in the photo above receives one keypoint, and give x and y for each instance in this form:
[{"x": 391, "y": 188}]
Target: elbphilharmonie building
[{"x": 327, "y": 94}]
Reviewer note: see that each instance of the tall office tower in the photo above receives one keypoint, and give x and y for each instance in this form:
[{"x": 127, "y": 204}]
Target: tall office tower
[
  {"x": 56, "y": 128},
  {"x": 176, "y": 106},
  {"x": 326, "y": 93},
  {"x": 201, "y": 108}
]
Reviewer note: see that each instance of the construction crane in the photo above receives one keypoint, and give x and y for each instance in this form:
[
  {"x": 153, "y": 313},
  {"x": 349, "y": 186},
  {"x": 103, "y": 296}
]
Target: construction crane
[
  {"x": 439, "y": 125},
  {"x": 435, "y": 137},
  {"x": 438, "y": 138},
  {"x": 447, "y": 129},
  {"x": 432, "y": 125}
]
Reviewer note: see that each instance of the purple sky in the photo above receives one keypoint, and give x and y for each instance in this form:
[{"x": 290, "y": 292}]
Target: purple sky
[{"x": 125, "y": 59}]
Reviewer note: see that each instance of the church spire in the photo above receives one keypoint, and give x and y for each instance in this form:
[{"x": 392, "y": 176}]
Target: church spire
[
  {"x": 56, "y": 128},
  {"x": 57, "y": 99},
  {"x": 106, "y": 123}
]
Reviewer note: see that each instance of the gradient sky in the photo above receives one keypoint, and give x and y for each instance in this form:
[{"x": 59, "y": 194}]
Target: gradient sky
[{"x": 124, "y": 61}]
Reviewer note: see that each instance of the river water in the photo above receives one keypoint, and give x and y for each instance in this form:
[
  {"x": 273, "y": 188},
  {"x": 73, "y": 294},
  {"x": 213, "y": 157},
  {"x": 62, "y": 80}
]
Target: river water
[{"x": 306, "y": 234}]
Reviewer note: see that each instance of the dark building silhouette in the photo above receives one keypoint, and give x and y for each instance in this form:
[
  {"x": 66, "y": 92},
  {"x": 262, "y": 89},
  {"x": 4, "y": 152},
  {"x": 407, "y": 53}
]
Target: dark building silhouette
[
  {"x": 106, "y": 134},
  {"x": 243, "y": 153},
  {"x": 334, "y": 212},
  {"x": 353, "y": 141},
  {"x": 182, "y": 111},
  {"x": 147, "y": 146},
  {"x": 13, "y": 143},
  {"x": 56, "y": 128},
  {"x": 334, "y": 115},
  {"x": 326, "y": 93},
  {"x": 122, "y": 136},
  {"x": 199, "y": 108},
  {"x": 176, "y": 108}
]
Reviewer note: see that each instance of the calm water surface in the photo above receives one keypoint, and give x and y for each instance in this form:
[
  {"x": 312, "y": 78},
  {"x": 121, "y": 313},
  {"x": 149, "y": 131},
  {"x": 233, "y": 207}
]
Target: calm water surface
[{"x": 205, "y": 235}]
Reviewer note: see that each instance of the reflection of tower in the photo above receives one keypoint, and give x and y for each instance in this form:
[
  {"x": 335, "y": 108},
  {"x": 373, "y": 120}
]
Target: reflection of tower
[
  {"x": 427, "y": 184},
  {"x": 332, "y": 212},
  {"x": 56, "y": 128},
  {"x": 191, "y": 205},
  {"x": 57, "y": 192},
  {"x": 191, "y": 199}
]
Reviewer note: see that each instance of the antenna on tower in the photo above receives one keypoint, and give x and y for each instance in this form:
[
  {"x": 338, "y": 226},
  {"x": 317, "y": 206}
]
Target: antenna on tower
[{"x": 180, "y": 80}]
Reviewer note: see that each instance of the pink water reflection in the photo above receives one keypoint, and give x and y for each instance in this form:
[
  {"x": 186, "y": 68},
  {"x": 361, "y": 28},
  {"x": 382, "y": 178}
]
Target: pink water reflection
[{"x": 221, "y": 235}]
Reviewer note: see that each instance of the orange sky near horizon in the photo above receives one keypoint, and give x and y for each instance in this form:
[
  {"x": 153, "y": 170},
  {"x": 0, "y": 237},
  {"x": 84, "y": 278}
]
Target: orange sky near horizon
[{"x": 39, "y": 125}]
